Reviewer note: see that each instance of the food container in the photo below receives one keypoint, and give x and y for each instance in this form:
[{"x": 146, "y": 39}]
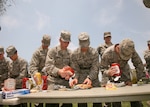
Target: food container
[
  {"x": 9, "y": 84},
  {"x": 14, "y": 93}
]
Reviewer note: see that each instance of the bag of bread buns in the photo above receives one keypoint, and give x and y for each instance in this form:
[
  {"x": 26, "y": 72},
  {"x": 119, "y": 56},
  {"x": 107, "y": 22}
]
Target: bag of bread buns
[
  {"x": 9, "y": 84},
  {"x": 38, "y": 78}
]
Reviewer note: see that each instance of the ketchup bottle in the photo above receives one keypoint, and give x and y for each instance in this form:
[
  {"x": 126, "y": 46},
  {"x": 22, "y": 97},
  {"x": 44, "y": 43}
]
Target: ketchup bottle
[
  {"x": 117, "y": 67},
  {"x": 24, "y": 80},
  {"x": 117, "y": 75}
]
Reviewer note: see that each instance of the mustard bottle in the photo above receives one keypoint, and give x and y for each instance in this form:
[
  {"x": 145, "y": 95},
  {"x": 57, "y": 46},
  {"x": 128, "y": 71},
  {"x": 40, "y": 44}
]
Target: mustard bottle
[{"x": 38, "y": 78}]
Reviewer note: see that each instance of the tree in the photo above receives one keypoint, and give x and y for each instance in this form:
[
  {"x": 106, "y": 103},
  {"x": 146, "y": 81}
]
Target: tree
[{"x": 4, "y": 4}]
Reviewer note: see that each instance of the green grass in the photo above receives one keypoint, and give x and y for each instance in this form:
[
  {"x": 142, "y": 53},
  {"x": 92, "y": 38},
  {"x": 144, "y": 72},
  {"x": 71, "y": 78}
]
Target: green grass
[{"x": 124, "y": 104}]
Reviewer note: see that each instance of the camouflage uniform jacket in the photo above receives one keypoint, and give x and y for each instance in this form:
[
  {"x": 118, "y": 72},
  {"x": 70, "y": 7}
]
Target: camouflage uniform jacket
[
  {"x": 3, "y": 70},
  {"x": 147, "y": 58},
  {"x": 56, "y": 59},
  {"x": 86, "y": 65},
  {"x": 102, "y": 48},
  {"x": 38, "y": 60},
  {"x": 18, "y": 70},
  {"x": 110, "y": 56}
]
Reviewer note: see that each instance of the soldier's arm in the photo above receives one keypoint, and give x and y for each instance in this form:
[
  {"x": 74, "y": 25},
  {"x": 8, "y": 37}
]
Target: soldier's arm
[
  {"x": 5, "y": 73},
  {"x": 49, "y": 64},
  {"x": 95, "y": 67},
  {"x": 138, "y": 64},
  {"x": 147, "y": 57},
  {"x": 74, "y": 65},
  {"x": 101, "y": 49},
  {"x": 105, "y": 64},
  {"x": 4, "y": 76},
  {"x": 98, "y": 49},
  {"x": 23, "y": 71},
  {"x": 34, "y": 63}
]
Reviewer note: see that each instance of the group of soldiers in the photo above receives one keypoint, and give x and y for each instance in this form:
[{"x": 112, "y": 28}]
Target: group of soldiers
[{"x": 84, "y": 60}]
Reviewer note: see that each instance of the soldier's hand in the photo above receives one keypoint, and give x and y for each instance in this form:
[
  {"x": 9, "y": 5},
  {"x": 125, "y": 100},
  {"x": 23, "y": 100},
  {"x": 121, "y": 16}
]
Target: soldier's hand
[
  {"x": 87, "y": 81},
  {"x": 62, "y": 73},
  {"x": 3, "y": 89},
  {"x": 129, "y": 83},
  {"x": 68, "y": 75},
  {"x": 73, "y": 82},
  {"x": 112, "y": 71},
  {"x": 65, "y": 74}
]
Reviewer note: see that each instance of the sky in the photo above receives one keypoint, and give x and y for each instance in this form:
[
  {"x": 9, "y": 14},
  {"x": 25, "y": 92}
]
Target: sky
[{"x": 26, "y": 21}]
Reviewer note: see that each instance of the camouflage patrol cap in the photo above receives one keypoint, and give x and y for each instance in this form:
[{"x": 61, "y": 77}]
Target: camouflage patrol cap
[
  {"x": 107, "y": 34},
  {"x": 46, "y": 40},
  {"x": 65, "y": 36},
  {"x": 11, "y": 50},
  {"x": 126, "y": 49},
  {"x": 148, "y": 42},
  {"x": 84, "y": 39},
  {"x": 146, "y": 3},
  {"x": 1, "y": 50}
]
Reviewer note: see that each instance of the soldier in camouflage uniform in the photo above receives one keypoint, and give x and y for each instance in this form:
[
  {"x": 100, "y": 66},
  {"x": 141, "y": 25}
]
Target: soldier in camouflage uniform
[
  {"x": 101, "y": 48},
  {"x": 147, "y": 56},
  {"x": 108, "y": 43},
  {"x": 147, "y": 59},
  {"x": 57, "y": 58},
  {"x": 85, "y": 62},
  {"x": 39, "y": 56},
  {"x": 4, "y": 62},
  {"x": 38, "y": 59},
  {"x": 121, "y": 54},
  {"x": 18, "y": 68},
  {"x": 3, "y": 68}
]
